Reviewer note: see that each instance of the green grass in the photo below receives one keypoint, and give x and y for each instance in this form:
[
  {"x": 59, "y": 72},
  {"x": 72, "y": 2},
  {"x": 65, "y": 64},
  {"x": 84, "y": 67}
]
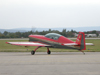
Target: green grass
[
  {"x": 96, "y": 47},
  {"x": 12, "y": 48}
]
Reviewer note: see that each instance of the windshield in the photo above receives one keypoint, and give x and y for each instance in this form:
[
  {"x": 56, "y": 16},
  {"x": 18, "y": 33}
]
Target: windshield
[{"x": 54, "y": 36}]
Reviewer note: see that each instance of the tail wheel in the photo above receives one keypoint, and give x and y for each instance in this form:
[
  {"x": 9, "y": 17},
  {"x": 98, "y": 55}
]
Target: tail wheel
[
  {"x": 49, "y": 52},
  {"x": 32, "y": 52}
]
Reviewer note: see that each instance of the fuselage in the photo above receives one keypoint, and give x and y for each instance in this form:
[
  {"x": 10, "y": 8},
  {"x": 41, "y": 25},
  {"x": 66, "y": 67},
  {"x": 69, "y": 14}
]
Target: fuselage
[
  {"x": 39, "y": 38},
  {"x": 54, "y": 40}
]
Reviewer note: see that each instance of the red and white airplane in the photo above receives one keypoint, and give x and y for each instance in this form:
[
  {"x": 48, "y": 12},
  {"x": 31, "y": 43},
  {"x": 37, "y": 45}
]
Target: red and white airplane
[{"x": 54, "y": 40}]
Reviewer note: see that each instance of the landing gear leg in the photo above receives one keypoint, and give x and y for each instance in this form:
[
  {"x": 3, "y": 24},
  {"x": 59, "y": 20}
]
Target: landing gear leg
[
  {"x": 82, "y": 52},
  {"x": 48, "y": 51},
  {"x": 33, "y": 52}
]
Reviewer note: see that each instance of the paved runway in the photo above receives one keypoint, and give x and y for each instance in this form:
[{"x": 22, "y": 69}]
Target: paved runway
[{"x": 58, "y": 63}]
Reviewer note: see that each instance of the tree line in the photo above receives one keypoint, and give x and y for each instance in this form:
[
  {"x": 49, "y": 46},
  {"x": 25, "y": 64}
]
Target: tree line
[{"x": 64, "y": 32}]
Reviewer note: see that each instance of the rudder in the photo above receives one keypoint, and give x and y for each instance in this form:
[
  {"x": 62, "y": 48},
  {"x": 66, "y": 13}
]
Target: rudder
[{"x": 81, "y": 41}]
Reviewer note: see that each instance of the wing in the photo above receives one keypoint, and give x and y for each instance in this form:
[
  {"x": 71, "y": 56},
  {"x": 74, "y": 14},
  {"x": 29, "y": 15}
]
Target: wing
[{"x": 27, "y": 44}]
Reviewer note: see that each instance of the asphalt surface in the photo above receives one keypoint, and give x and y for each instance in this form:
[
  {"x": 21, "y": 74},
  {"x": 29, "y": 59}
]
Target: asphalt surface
[{"x": 58, "y": 63}]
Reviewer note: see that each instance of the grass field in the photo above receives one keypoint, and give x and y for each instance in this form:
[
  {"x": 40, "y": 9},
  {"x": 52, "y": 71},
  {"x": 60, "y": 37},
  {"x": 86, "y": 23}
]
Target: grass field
[{"x": 11, "y": 48}]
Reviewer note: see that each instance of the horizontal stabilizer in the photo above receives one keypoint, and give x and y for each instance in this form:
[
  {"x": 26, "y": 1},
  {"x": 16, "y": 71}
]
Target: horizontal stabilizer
[
  {"x": 67, "y": 44},
  {"x": 89, "y": 44}
]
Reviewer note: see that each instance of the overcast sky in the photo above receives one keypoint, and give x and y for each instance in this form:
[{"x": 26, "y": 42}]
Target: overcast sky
[{"x": 49, "y": 13}]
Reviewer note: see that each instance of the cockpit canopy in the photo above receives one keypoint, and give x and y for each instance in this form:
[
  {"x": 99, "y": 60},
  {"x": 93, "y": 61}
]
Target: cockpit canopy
[{"x": 54, "y": 36}]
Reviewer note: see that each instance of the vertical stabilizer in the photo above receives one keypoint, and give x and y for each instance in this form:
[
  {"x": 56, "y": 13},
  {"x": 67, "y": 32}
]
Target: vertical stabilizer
[{"x": 81, "y": 41}]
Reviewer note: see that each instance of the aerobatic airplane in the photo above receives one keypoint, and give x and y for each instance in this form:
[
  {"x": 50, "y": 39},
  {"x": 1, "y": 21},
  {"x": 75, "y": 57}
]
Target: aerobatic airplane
[{"x": 54, "y": 40}]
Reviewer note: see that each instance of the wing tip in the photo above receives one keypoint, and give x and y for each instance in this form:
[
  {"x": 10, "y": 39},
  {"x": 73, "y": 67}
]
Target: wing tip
[{"x": 7, "y": 43}]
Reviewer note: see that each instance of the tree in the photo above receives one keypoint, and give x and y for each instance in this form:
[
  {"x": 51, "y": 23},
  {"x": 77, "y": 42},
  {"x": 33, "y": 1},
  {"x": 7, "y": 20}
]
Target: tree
[
  {"x": 64, "y": 32},
  {"x": 18, "y": 34},
  {"x": 5, "y": 33},
  {"x": 94, "y": 32}
]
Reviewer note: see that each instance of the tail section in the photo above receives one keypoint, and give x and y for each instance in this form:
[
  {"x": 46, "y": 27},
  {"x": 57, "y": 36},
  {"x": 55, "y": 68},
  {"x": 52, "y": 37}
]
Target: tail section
[{"x": 81, "y": 41}]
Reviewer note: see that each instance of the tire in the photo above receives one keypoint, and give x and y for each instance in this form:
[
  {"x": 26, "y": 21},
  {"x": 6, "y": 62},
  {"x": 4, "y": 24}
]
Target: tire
[
  {"x": 49, "y": 52},
  {"x": 32, "y": 52}
]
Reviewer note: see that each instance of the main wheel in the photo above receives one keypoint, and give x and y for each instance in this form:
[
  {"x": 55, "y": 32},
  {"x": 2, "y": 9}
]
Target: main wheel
[
  {"x": 32, "y": 52},
  {"x": 49, "y": 52}
]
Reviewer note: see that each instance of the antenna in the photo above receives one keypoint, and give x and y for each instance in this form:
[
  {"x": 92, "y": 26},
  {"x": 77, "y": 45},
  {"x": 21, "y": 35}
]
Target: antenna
[{"x": 33, "y": 29}]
